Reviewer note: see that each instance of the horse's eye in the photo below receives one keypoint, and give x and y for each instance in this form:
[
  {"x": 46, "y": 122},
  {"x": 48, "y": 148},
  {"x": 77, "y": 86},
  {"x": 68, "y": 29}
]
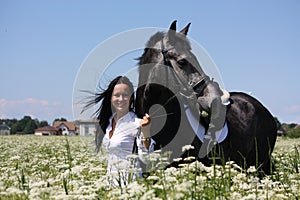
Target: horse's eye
[{"x": 182, "y": 62}]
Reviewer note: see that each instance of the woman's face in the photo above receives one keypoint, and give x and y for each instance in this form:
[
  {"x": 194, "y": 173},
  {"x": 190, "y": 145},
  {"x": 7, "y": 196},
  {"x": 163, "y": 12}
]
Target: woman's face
[{"x": 120, "y": 98}]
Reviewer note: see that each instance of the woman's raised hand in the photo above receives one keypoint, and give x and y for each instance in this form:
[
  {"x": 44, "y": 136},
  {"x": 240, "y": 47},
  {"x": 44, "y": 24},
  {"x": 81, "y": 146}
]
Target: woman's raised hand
[{"x": 145, "y": 121}]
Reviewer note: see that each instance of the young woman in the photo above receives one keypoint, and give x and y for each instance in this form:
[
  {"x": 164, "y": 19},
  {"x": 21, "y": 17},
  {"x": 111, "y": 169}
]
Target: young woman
[{"x": 123, "y": 130}]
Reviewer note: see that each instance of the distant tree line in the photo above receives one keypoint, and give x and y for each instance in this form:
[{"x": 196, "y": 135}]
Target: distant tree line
[
  {"x": 291, "y": 130},
  {"x": 26, "y": 125}
]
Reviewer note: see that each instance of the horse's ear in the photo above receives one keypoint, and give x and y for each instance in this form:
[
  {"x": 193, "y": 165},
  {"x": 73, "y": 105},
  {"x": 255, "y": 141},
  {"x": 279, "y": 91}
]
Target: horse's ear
[
  {"x": 172, "y": 30},
  {"x": 185, "y": 30},
  {"x": 173, "y": 25}
]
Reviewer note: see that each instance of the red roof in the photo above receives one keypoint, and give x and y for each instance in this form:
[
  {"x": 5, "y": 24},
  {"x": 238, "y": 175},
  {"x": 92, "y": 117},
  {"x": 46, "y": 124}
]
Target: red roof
[
  {"x": 69, "y": 125},
  {"x": 47, "y": 128}
]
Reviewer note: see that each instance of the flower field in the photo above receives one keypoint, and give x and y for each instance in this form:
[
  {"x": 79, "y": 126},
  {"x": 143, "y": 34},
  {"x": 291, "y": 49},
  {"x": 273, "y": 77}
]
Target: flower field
[{"x": 59, "y": 167}]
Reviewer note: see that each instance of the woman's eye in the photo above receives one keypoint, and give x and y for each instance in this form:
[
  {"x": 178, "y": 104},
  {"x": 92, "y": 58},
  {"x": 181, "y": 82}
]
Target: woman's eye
[
  {"x": 125, "y": 96},
  {"x": 182, "y": 62}
]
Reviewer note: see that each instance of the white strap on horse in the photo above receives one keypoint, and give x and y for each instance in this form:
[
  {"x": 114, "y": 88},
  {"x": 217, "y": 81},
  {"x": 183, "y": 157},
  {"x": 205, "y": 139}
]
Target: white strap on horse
[{"x": 200, "y": 130}]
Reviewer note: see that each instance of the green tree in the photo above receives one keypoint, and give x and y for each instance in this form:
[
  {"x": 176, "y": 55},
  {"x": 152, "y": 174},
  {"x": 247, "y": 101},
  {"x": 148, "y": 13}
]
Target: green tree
[
  {"x": 60, "y": 119},
  {"x": 19, "y": 125},
  {"x": 22, "y": 123},
  {"x": 30, "y": 127},
  {"x": 43, "y": 123},
  {"x": 14, "y": 128},
  {"x": 11, "y": 122},
  {"x": 294, "y": 133},
  {"x": 292, "y": 125}
]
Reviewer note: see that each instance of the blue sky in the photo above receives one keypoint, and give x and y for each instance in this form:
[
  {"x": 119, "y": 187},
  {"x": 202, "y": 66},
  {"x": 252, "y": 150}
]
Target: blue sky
[{"x": 255, "y": 45}]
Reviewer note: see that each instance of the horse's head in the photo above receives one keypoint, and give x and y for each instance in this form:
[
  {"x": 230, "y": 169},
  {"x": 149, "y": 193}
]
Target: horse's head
[{"x": 173, "y": 63}]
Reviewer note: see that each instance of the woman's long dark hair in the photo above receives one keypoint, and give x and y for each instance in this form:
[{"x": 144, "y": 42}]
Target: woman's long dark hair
[{"x": 104, "y": 112}]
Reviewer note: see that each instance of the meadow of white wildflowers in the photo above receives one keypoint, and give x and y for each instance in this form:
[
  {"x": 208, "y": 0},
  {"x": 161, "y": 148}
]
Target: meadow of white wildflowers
[{"x": 58, "y": 167}]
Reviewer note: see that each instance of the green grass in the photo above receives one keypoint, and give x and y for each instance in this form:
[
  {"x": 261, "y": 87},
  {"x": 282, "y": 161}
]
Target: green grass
[{"x": 57, "y": 167}]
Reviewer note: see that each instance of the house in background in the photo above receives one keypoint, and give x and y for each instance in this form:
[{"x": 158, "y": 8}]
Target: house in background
[
  {"x": 281, "y": 131},
  {"x": 47, "y": 130},
  {"x": 67, "y": 128},
  {"x": 4, "y": 129},
  {"x": 87, "y": 127}
]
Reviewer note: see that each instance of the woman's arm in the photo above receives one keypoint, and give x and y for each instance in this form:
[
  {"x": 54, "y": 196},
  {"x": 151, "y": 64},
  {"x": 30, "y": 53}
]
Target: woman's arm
[{"x": 145, "y": 130}]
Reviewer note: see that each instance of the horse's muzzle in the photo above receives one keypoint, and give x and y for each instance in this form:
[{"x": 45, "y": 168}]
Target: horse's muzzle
[{"x": 217, "y": 114}]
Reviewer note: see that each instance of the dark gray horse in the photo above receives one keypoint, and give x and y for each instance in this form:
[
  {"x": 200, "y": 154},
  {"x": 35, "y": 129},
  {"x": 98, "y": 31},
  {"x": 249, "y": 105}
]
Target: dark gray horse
[{"x": 176, "y": 92}]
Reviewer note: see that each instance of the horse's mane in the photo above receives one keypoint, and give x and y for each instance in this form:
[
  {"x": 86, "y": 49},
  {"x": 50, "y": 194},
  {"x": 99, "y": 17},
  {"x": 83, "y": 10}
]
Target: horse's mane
[{"x": 148, "y": 51}]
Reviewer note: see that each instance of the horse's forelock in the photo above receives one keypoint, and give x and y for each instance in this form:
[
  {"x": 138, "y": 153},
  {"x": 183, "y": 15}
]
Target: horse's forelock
[
  {"x": 149, "y": 52},
  {"x": 154, "y": 39}
]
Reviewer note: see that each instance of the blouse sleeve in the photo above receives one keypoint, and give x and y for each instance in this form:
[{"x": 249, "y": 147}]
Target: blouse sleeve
[{"x": 141, "y": 146}]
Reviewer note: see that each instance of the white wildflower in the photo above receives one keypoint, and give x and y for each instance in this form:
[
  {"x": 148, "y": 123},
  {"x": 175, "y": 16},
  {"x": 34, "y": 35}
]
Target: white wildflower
[
  {"x": 150, "y": 194},
  {"x": 171, "y": 179},
  {"x": 229, "y": 163},
  {"x": 153, "y": 157},
  {"x": 171, "y": 171},
  {"x": 153, "y": 178},
  {"x": 136, "y": 189},
  {"x": 187, "y": 147},
  {"x": 183, "y": 165},
  {"x": 38, "y": 184},
  {"x": 156, "y": 186},
  {"x": 15, "y": 158},
  {"x": 184, "y": 186},
  {"x": 162, "y": 165},
  {"x": 281, "y": 196},
  {"x": 251, "y": 169},
  {"x": 190, "y": 158},
  {"x": 158, "y": 151},
  {"x": 177, "y": 195},
  {"x": 201, "y": 178},
  {"x": 77, "y": 169},
  {"x": 177, "y": 159},
  {"x": 250, "y": 196}
]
